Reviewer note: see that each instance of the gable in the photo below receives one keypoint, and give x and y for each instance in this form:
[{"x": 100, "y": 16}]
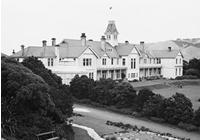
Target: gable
[{"x": 88, "y": 51}]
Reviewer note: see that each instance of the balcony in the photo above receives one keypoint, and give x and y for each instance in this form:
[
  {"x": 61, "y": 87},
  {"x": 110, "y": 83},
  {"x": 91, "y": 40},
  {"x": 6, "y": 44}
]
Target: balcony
[{"x": 150, "y": 65}]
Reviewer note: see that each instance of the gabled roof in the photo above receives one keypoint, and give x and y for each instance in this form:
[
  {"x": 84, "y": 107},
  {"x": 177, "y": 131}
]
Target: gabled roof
[
  {"x": 111, "y": 28},
  {"x": 124, "y": 49}
]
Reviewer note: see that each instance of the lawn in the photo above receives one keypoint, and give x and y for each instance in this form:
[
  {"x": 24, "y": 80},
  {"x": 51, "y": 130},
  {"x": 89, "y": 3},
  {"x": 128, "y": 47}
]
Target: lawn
[
  {"x": 192, "y": 92},
  {"x": 81, "y": 134},
  {"x": 190, "y": 88}
]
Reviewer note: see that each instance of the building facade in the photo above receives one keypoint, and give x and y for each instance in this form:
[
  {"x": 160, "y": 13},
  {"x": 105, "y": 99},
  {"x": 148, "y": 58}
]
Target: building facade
[{"x": 107, "y": 58}]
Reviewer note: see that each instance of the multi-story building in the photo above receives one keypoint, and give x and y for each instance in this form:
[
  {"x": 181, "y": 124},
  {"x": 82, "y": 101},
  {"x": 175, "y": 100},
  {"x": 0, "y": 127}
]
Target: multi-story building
[{"x": 107, "y": 58}]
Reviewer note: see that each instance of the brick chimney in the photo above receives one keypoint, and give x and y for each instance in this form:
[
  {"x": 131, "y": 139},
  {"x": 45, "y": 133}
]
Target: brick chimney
[
  {"x": 126, "y": 42},
  {"x": 53, "y": 41},
  {"x": 169, "y": 49},
  {"x": 13, "y": 52},
  {"x": 103, "y": 43},
  {"x": 142, "y": 44},
  {"x": 83, "y": 39},
  {"x": 22, "y": 49},
  {"x": 44, "y": 43}
]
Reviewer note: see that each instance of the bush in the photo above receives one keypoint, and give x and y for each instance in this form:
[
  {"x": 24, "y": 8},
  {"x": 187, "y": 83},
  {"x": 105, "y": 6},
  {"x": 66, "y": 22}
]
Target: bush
[
  {"x": 187, "y": 127},
  {"x": 186, "y": 77},
  {"x": 142, "y": 97},
  {"x": 178, "y": 108}
]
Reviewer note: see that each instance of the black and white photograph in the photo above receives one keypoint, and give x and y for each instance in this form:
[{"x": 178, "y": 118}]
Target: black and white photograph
[{"x": 100, "y": 69}]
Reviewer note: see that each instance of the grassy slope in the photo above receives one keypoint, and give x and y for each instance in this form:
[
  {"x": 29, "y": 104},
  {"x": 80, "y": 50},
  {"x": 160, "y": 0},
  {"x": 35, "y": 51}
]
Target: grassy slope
[{"x": 81, "y": 134}]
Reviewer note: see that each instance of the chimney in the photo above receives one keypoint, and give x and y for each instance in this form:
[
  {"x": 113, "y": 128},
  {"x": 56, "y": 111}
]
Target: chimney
[
  {"x": 169, "y": 49},
  {"x": 83, "y": 39},
  {"x": 44, "y": 43},
  {"x": 103, "y": 43},
  {"x": 22, "y": 49},
  {"x": 142, "y": 44},
  {"x": 13, "y": 52},
  {"x": 126, "y": 42},
  {"x": 53, "y": 41}
]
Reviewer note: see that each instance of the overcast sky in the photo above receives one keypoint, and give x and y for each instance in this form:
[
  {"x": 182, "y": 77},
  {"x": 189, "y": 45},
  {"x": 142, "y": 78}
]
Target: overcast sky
[{"x": 29, "y": 22}]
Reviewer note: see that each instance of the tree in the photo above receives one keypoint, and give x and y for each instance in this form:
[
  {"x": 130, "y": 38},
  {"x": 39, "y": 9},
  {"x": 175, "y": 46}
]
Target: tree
[
  {"x": 142, "y": 97},
  {"x": 154, "y": 106},
  {"x": 59, "y": 92},
  {"x": 123, "y": 95},
  {"x": 196, "y": 120},
  {"x": 178, "y": 108},
  {"x": 81, "y": 87},
  {"x": 101, "y": 91},
  {"x": 25, "y": 101}
]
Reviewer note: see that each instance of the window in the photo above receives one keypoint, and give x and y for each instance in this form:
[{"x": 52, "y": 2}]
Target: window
[
  {"x": 108, "y": 36},
  {"x": 132, "y": 75},
  {"x": 145, "y": 61},
  {"x": 115, "y": 37},
  {"x": 179, "y": 71},
  {"x": 91, "y": 75},
  {"x": 158, "y": 61},
  {"x": 104, "y": 61},
  {"x": 176, "y": 61},
  {"x": 134, "y": 63},
  {"x": 123, "y": 61},
  {"x": 180, "y": 61},
  {"x": 104, "y": 74},
  {"x": 117, "y": 61},
  {"x": 118, "y": 74},
  {"x": 87, "y": 61},
  {"x": 50, "y": 61},
  {"x": 131, "y": 63},
  {"x": 111, "y": 61}
]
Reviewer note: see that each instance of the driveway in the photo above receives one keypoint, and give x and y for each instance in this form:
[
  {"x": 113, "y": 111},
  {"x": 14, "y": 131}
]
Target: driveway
[{"x": 96, "y": 118}]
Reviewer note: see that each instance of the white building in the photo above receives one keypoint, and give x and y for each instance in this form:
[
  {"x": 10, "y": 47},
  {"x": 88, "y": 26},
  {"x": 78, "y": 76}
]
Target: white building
[{"x": 107, "y": 58}]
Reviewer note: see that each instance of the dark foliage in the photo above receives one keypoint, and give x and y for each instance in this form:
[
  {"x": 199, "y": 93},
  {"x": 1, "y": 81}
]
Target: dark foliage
[
  {"x": 123, "y": 95},
  {"x": 25, "y": 101},
  {"x": 192, "y": 68},
  {"x": 154, "y": 106},
  {"x": 196, "y": 120},
  {"x": 178, "y": 108},
  {"x": 101, "y": 91},
  {"x": 142, "y": 97},
  {"x": 60, "y": 93},
  {"x": 81, "y": 87}
]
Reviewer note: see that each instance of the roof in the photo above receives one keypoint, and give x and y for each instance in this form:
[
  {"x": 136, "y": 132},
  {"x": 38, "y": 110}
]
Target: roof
[
  {"x": 159, "y": 49},
  {"x": 164, "y": 53},
  {"x": 111, "y": 28},
  {"x": 36, "y": 51},
  {"x": 72, "y": 48},
  {"x": 3, "y": 54}
]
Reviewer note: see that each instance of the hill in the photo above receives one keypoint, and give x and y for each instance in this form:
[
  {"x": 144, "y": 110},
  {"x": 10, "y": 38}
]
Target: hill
[{"x": 189, "y": 47}]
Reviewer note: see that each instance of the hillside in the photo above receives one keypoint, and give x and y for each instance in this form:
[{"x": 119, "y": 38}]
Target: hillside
[{"x": 189, "y": 47}]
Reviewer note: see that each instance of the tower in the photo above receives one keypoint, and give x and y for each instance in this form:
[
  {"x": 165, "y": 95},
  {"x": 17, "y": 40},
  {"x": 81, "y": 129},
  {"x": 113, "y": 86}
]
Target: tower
[{"x": 111, "y": 33}]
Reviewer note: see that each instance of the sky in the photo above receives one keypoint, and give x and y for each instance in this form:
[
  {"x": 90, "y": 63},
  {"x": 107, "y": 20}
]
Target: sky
[{"x": 28, "y": 22}]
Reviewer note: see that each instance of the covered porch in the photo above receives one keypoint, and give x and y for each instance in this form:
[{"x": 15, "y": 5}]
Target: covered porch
[
  {"x": 114, "y": 74},
  {"x": 149, "y": 72}
]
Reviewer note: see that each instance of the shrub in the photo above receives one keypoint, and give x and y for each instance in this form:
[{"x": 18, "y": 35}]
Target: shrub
[
  {"x": 188, "y": 127},
  {"x": 142, "y": 97},
  {"x": 178, "y": 108}
]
